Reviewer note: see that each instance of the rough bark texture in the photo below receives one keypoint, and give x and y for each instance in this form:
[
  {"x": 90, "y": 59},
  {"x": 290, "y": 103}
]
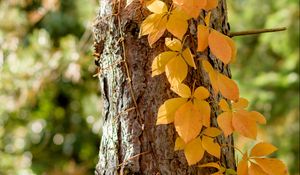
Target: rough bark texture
[{"x": 131, "y": 142}]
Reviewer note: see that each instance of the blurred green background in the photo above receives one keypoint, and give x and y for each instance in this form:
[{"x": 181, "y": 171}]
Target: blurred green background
[{"x": 50, "y": 120}]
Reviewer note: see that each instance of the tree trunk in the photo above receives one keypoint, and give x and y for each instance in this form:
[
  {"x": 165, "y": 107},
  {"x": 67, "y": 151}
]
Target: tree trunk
[{"x": 131, "y": 142}]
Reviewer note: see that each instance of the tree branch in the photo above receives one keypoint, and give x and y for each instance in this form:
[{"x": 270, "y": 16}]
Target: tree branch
[{"x": 256, "y": 31}]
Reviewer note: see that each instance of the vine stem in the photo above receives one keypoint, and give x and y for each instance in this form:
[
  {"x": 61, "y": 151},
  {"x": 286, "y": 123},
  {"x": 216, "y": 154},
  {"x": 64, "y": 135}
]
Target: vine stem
[{"x": 256, "y": 31}]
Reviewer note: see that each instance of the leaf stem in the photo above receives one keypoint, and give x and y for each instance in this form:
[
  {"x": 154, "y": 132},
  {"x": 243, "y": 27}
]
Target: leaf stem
[{"x": 256, "y": 31}]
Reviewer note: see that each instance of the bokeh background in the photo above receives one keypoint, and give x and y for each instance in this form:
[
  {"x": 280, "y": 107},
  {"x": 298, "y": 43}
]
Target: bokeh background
[{"x": 50, "y": 108}]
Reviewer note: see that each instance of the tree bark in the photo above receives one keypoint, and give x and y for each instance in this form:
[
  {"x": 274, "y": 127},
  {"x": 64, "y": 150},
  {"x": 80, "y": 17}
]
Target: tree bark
[{"x": 131, "y": 142}]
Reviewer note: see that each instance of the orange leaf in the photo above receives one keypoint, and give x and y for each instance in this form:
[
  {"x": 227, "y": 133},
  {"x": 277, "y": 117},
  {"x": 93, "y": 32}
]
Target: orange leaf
[
  {"x": 207, "y": 66},
  {"x": 240, "y": 104},
  {"x": 258, "y": 117},
  {"x": 228, "y": 87},
  {"x": 224, "y": 105},
  {"x": 167, "y": 110},
  {"x": 158, "y": 30},
  {"x": 256, "y": 170},
  {"x": 193, "y": 151},
  {"x": 211, "y": 4},
  {"x": 182, "y": 90},
  {"x": 212, "y": 132},
  {"x": 148, "y": 24},
  {"x": 201, "y": 93},
  {"x": 179, "y": 144},
  {"x": 157, "y": 7},
  {"x": 191, "y": 7},
  {"x": 233, "y": 49},
  {"x": 207, "y": 19},
  {"x": 204, "y": 109},
  {"x": 173, "y": 44},
  {"x": 188, "y": 121},
  {"x": 225, "y": 123},
  {"x": 244, "y": 124},
  {"x": 177, "y": 23},
  {"x": 242, "y": 168},
  {"x": 219, "y": 46},
  {"x": 211, "y": 147},
  {"x": 159, "y": 62},
  {"x": 189, "y": 58},
  {"x": 202, "y": 36},
  {"x": 176, "y": 70},
  {"x": 262, "y": 149},
  {"x": 272, "y": 166}
]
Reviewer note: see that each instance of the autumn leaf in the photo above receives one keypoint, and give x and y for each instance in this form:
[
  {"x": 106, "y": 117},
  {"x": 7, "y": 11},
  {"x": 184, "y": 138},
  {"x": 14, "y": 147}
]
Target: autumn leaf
[
  {"x": 177, "y": 24},
  {"x": 271, "y": 166},
  {"x": 242, "y": 168},
  {"x": 188, "y": 122},
  {"x": 222, "y": 83},
  {"x": 211, "y": 147},
  {"x": 179, "y": 144},
  {"x": 238, "y": 119},
  {"x": 161, "y": 20},
  {"x": 174, "y": 62},
  {"x": 191, "y": 7},
  {"x": 167, "y": 111},
  {"x": 262, "y": 149},
  {"x": 211, "y": 4},
  {"x": 212, "y": 132},
  {"x": 193, "y": 151},
  {"x": 202, "y": 36},
  {"x": 220, "y": 45},
  {"x": 260, "y": 165}
]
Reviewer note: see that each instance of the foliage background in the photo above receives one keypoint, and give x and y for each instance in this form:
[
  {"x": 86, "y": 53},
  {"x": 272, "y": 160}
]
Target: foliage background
[{"x": 50, "y": 105}]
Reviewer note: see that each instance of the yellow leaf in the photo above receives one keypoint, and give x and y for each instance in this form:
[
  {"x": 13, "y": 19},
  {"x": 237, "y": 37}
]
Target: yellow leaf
[
  {"x": 256, "y": 170},
  {"x": 179, "y": 144},
  {"x": 272, "y": 166},
  {"x": 191, "y": 7},
  {"x": 160, "y": 61},
  {"x": 219, "y": 46},
  {"x": 201, "y": 93},
  {"x": 212, "y": 132},
  {"x": 177, "y": 24},
  {"x": 157, "y": 7},
  {"x": 225, "y": 123},
  {"x": 189, "y": 58},
  {"x": 242, "y": 168},
  {"x": 213, "y": 75},
  {"x": 182, "y": 90},
  {"x": 240, "y": 104},
  {"x": 258, "y": 117},
  {"x": 233, "y": 49},
  {"x": 167, "y": 110},
  {"x": 211, "y": 4},
  {"x": 207, "y": 20},
  {"x": 204, "y": 109},
  {"x": 224, "y": 105},
  {"x": 188, "y": 121},
  {"x": 148, "y": 24},
  {"x": 207, "y": 66},
  {"x": 262, "y": 149},
  {"x": 202, "y": 36},
  {"x": 211, "y": 147},
  {"x": 159, "y": 29},
  {"x": 244, "y": 124},
  {"x": 228, "y": 87},
  {"x": 176, "y": 70},
  {"x": 193, "y": 151},
  {"x": 173, "y": 44}
]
